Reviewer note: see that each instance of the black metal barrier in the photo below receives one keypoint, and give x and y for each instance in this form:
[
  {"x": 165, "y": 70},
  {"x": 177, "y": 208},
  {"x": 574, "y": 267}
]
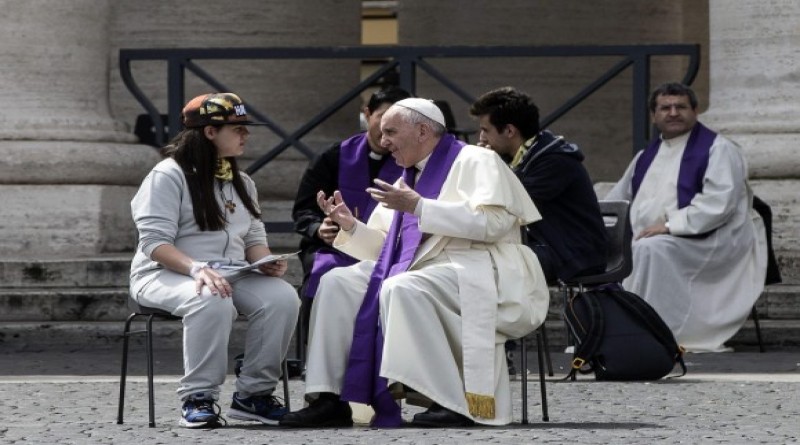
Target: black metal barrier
[{"x": 406, "y": 60}]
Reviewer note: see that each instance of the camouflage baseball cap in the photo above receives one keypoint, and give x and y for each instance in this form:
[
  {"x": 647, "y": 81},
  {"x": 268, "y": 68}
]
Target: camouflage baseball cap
[{"x": 215, "y": 109}]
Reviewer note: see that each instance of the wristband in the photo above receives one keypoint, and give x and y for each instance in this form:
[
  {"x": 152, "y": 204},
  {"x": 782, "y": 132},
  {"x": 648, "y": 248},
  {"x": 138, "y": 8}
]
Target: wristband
[{"x": 197, "y": 266}]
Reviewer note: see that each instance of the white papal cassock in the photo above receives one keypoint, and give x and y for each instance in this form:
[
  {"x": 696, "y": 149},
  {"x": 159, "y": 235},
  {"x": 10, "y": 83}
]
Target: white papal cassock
[
  {"x": 470, "y": 273},
  {"x": 703, "y": 287}
]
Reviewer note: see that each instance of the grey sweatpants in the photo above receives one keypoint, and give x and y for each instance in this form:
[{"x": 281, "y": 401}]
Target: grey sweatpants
[{"x": 271, "y": 306}]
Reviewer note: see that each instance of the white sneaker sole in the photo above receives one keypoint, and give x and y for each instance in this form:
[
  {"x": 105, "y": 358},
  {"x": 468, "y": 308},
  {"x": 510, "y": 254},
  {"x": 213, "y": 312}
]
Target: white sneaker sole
[
  {"x": 234, "y": 413},
  {"x": 186, "y": 424}
]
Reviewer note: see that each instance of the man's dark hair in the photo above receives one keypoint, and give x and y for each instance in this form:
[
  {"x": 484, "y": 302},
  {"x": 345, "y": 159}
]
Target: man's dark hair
[
  {"x": 672, "y": 89},
  {"x": 388, "y": 95},
  {"x": 508, "y": 106}
]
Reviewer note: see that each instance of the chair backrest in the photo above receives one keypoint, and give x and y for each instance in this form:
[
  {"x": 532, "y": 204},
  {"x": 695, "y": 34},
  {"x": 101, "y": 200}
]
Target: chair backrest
[{"x": 618, "y": 228}]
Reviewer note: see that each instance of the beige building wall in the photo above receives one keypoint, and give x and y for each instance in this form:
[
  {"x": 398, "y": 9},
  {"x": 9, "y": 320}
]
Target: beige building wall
[
  {"x": 69, "y": 162},
  {"x": 602, "y": 124}
]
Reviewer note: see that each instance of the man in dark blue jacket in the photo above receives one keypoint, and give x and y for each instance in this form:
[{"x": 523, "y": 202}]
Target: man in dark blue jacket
[{"x": 570, "y": 239}]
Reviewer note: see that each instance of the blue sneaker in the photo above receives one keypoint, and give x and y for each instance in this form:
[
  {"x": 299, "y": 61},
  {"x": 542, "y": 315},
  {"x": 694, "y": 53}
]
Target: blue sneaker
[
  {"x": 199, "y": 412},
  {"x": 265, "y": 409}
]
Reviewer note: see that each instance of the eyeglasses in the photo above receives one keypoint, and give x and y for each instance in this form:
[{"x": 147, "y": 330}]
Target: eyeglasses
[{"x": 668, "y": 108}]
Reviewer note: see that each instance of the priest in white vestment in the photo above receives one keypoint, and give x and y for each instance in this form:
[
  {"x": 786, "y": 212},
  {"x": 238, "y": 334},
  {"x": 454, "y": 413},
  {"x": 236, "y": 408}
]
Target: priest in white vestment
[
  {"x": 699, "y": 249},
  {"x": 451, "y": 283}
]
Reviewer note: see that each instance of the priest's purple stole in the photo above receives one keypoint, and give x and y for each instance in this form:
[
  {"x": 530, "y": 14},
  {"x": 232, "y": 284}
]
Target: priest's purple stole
[
  {"x": 362, "y": 382},
  {"x": 354, "y": 178},
  {"x": 693, "y": 164}
]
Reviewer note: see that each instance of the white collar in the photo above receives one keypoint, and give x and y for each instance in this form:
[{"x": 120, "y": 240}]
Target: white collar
[
  {"x": 421, "y": 164},
  {"x": 677, "y": 141}
]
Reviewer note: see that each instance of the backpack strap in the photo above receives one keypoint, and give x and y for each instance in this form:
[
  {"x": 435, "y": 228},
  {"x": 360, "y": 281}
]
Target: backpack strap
[
  {"x": 656, "y": 325},
  {"x": 594, "y": 332}
]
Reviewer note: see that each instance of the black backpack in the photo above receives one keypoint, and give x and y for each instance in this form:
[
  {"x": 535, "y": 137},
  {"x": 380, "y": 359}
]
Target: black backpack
[{"x": 619, "y": 336}]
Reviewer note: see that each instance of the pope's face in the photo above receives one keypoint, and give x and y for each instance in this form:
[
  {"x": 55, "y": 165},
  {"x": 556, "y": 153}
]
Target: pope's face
[
  {"x": 401, "y": 139},
  {"x": 673, "y": 115}
]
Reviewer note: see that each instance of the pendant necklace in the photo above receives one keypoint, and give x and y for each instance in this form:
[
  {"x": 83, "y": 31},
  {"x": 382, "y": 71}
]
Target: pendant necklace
[{"x": 228, "y": 203}]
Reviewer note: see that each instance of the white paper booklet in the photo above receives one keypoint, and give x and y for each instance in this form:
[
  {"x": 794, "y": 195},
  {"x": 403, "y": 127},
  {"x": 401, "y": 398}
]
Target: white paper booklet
[{"x": 235, "y": 270}]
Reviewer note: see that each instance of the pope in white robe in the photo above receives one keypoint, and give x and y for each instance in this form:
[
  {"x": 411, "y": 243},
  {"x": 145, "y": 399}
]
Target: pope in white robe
[
  {"x": 700, "y": 266},
  {"x": 470, "y": 286}
]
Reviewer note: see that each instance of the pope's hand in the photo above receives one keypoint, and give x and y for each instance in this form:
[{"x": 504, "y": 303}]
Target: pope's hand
[
  {"x": 335, "y": 209},
  {"x": 402, "y": 197}
]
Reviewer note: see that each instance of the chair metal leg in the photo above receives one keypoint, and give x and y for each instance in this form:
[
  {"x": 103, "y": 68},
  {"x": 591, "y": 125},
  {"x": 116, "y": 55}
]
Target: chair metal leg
[
  {"x": 570, "y": 339},
  {"x": 123, "y": 374},
  {"x": 546, "y": 345},
  {"x": 524, "y": 379},
  {"x": 299, "y": 332},
  {"x": 539, "y": 346},
  {"x": 754, "y": 315},
  {"x": 568, "y": 294},
  {"x": 150, "y": 391},
  {"x": 285, "y": 367}
]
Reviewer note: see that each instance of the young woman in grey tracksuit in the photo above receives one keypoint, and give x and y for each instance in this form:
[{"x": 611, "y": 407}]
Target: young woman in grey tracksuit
[{"x": 195, "y": 213}]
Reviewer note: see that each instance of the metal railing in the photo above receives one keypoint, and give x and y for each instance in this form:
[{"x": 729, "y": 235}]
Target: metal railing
[{"x": 405, "y": 60}]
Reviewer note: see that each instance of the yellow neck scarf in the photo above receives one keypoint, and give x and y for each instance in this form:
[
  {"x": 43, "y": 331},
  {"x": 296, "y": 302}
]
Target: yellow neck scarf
[
  {"x": 521, "y": 152},
  {"x": 224, "y": 170}
]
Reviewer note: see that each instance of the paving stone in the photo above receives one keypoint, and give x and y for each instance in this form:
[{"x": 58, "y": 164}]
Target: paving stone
[{"x": 726, "y": 398}]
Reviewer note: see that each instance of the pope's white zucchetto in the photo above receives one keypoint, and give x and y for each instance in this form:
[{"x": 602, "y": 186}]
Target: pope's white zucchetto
[{"x": 426, "y": 107}]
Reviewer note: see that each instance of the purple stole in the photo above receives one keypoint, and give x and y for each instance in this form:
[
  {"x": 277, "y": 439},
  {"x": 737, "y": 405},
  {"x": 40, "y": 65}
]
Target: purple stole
[
  {"x": 693, "y": 164},
  {"x": 354, "y": 178},
  {"x": 362, "y": 381}
]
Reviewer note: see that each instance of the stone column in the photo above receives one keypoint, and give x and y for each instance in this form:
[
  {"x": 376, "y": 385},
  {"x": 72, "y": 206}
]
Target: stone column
[
  {"x": 755, "y": 100},
  {"x": 755, "y": 60},
  {"x": 67, "y": 169},
  {"x": 602, "y": 124}
]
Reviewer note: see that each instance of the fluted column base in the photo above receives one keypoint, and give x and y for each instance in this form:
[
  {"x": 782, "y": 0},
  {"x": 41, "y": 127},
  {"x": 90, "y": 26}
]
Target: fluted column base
[
  {"x": 67, "y": 198},
  {"x": 46, "y": 221}
]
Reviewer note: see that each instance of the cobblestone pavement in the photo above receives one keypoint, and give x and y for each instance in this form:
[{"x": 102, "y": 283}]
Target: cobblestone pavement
[{"x": 736, "y": 398}]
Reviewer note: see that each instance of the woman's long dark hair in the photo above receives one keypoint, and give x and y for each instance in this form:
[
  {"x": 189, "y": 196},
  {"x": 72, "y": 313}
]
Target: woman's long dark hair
[{"x": 197, "y": 157}]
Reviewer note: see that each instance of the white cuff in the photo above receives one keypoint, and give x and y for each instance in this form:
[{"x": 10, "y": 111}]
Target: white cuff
[
  {"x": 418, "y": 207},
  {"x": 197, "y": 266}
]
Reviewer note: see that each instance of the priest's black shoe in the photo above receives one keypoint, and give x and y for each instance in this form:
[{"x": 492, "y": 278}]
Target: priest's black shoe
[
  {"x": 438, "y": 416},
  {"x": 325, "y": 412}
]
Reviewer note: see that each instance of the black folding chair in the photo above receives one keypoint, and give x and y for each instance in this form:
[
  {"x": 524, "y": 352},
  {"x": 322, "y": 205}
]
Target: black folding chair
[{"x": 150, "y": 314}]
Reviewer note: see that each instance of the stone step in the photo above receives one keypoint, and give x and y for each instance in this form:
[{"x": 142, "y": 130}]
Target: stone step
[
  {"x": 789, "y": 265},
  {"x": 68, "y": 304},
  {"x": 96, "y": 271},
  {"x": 110, "y": 303},
  {"x": 280, "y": 211},
  {"x": 100, "y": 271},
  {"x": 778, "y": 301},
  {"x": 80, "y": 335},
  {"x": 73, "y": 336}
]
